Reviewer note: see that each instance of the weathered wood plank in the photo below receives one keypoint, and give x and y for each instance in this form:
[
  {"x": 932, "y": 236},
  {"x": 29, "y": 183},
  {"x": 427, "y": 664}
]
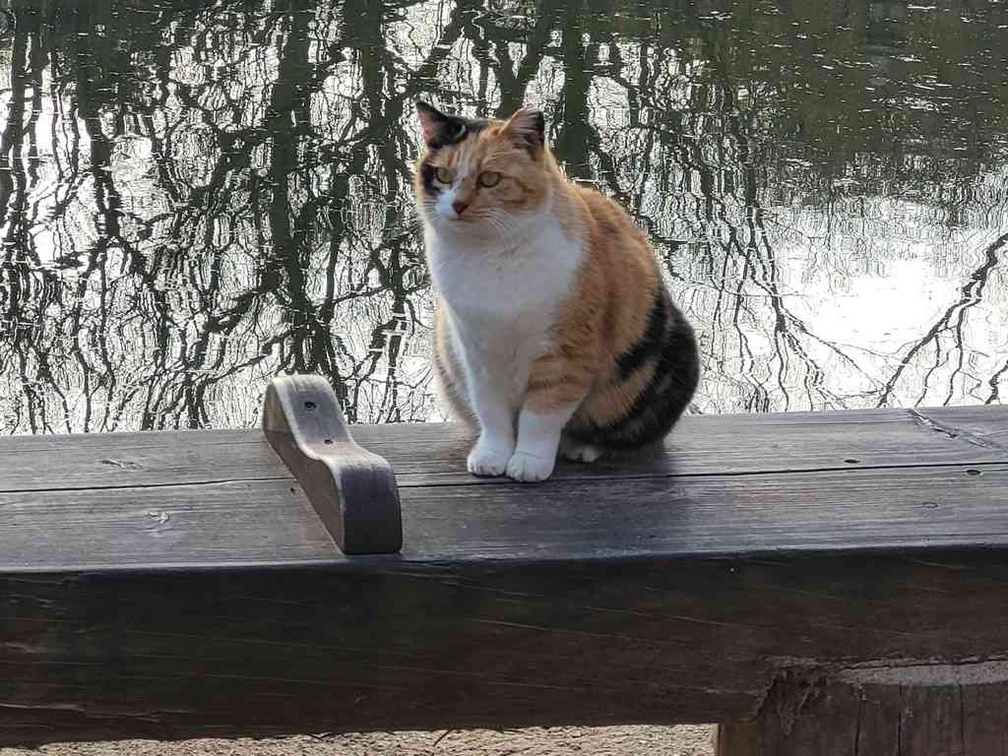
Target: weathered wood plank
[
  {"x": 115, "y": 460},
  {"x": 931, "y": 721},
  {"x": 729, "y": 444},
  {"x": 879, "y": 715},
  {"x": 739, "y": 444},
  {"x": 271, "y": 520},
  {"x": 121, "y": 441},
  {"x": 248, "y": 522},
  {"x": 170, "y": 600},
  {"x": 435, "y": 453},
  {"x": 984, "y": 715},
  {"x": 382, "y": 643},
  {"x": 825, "y": 725},
  {"x": 712, "y": 514},
  {"x": 882, "y": 711},
  {"x": 737, "y": 739}
]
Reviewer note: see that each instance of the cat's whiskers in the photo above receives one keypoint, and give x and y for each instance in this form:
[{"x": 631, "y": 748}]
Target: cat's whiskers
[{"x": 496, "y": 224}]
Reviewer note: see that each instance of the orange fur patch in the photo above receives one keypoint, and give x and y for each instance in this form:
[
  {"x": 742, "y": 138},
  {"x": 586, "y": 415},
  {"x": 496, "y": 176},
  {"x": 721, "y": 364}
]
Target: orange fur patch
[{"x": 608, "y": 309}]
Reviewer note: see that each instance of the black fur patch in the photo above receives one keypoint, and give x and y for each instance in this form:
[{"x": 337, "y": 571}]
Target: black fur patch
[
  {"x": 648, "y": 344},
  {"x": 450, "y": 129},
  {"x": 539, "y": 123},
  {"x": 427, "y": 172},
  {"x": 535, "y": 139},
  {"x": 662, "y": 401}
]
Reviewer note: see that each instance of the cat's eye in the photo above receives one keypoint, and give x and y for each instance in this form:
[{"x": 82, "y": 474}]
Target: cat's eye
[
  {"x": 443, "y": 175},
  {"x": 489, "y": 179}
]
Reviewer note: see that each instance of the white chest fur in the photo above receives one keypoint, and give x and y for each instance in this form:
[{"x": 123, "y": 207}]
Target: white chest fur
[{"x": 502, "y": 299}]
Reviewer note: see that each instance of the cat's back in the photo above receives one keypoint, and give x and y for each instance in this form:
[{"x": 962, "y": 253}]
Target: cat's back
[
  {"x": 611, "y": 230},
  {"x": 647, "y": 348}
]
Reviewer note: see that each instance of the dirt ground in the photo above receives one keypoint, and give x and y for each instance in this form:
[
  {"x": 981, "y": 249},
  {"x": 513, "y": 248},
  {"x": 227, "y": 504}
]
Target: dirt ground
[{"x": 557, "y": 741}]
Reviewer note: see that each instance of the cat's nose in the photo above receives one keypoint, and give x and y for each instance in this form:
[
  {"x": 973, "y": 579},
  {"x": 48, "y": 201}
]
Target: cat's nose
[{"x": 459, "y": 207}]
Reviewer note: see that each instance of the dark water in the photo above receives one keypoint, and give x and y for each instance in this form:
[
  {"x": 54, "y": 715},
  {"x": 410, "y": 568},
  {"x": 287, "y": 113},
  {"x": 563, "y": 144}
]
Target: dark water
[{"x": 198, "y": 196}]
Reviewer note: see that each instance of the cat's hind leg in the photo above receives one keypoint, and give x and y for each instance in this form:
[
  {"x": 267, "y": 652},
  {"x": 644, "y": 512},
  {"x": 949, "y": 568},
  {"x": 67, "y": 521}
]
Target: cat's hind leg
[{"x": 578, "y": 451}]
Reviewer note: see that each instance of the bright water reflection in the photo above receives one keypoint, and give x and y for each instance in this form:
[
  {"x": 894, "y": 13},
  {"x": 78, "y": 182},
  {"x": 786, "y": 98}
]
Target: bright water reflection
[{"x": 198, "y": 196}]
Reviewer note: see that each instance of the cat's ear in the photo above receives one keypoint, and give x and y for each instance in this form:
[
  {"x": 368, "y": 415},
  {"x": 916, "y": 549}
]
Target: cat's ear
[
  {"x": 438, "y": 128},
  {"x": 528, "y": 127}
]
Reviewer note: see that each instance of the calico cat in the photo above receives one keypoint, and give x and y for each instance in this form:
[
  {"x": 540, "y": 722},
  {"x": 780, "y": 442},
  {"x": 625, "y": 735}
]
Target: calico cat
[{"x": 553, "y": 328}]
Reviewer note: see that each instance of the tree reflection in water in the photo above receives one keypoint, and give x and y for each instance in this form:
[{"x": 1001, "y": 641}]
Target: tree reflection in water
[{"x": 196, "y": 197}]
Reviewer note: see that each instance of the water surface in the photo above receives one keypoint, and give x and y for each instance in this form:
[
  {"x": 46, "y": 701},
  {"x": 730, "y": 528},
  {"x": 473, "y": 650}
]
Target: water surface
[{"x": 198, "y": 196}]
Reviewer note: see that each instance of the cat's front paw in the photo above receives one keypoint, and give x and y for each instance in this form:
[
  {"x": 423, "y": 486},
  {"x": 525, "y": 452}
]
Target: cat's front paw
[
  {"x": 529, "y": 468},
  {"x": 487, "y": 461}
]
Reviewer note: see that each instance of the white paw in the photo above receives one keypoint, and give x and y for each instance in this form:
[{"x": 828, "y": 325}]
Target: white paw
[
  {"x": 576, "y": 452},
  {"x": 529, "y": 468},
  {"x": 485, "y": 460}
]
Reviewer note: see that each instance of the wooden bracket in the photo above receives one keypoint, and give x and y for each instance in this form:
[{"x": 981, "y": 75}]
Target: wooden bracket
[{"x": 353, "y": 490}]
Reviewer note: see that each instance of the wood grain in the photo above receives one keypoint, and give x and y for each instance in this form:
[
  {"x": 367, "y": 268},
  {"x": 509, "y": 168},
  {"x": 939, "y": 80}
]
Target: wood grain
[
  {"x": 713, "y": 515},
  {"x": 898, "y": 718},
  {"x": 984, "y": 731},
  {"x": 880, "y": 710},
  {"x": 247, "y": 522},
  {"x": 728, "y": 444},
  {"x": 116, "y": 460},
  {"x": 434, "y": 453},
  {"x": 270, "y": 520},
  {"x": 382, "y": 643}
]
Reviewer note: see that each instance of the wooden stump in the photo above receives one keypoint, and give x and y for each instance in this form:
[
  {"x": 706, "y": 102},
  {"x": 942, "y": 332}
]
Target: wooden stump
[{"x": 927, "y": 710}]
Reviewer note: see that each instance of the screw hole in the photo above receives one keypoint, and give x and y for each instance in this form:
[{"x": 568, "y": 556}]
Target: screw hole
[
  {"x": 973, "y": 472},
  {"x": 310, "y": 406},
  {"x": 328, "y": 441},
  {"x": 853, "y": 461}
]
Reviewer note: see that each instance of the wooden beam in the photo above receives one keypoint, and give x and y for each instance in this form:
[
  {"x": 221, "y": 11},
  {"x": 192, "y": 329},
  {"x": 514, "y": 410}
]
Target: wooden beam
[
  {"x": 382, "y": 645},
  {"x": 181, "y": 584}
]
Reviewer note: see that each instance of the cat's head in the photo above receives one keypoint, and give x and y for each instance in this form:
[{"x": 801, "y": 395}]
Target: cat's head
[{"x": 482, "y": 177}]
